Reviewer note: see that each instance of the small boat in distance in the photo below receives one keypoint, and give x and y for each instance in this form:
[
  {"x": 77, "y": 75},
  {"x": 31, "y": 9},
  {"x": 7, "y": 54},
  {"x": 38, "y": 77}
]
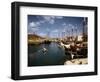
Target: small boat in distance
[{"x": 44, "y": 50}]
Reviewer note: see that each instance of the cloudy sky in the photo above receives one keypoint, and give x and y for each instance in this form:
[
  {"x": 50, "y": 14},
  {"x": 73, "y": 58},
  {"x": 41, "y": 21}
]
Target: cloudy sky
[{"x": 54, "y": 26}]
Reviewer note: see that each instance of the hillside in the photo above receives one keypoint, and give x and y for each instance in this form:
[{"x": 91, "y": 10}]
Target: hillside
[{"x": 34, "y": 37}]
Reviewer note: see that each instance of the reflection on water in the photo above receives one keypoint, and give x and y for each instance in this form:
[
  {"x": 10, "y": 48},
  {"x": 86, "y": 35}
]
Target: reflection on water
[{"x": 53, "y": 56}]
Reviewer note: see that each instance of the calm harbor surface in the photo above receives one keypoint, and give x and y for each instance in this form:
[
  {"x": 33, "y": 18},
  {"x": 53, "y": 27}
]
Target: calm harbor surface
[{"x": 54, "y": 55}]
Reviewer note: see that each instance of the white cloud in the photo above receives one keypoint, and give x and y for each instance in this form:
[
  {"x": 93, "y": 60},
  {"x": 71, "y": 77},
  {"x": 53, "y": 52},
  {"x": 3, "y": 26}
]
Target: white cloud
[
  {"x": 47, "y": 18},
  {"x": 51, "y": 19},
  {"x": 33, "y": 30},
  {"x": 69, "y": 27},
  {"x": 33, "y": 27},
  {"x": 32, "y": 24},
  {"x": 56, "y": 17},
  {"x": 59, "y": 17},
  {"x": 42, "y": 21},
  {"x": 64, "y": 24},
  {"x": 55, "y": 30},
  {"x": 42, "y": 34},
  {"x": 38, "y": 23},
  {"x": 64, "y": 30}
]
